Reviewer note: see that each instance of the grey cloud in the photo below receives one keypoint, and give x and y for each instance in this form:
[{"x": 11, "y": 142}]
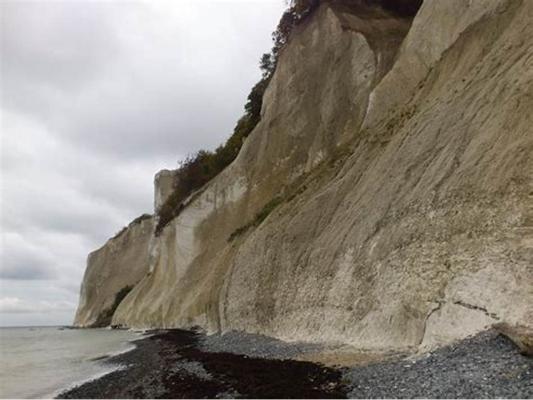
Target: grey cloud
[
  {"x": 72, "y": 286},
  {"x": 57, "y": 44},
  {"x": 122, "y": 93},
  {"x": 16, "y": 305},
  {"x": 95, "y": 98},
  {"x": 23, "y": 261},
  {"x": 37, "y": 205},
  {"x": 25, "y": 268}
]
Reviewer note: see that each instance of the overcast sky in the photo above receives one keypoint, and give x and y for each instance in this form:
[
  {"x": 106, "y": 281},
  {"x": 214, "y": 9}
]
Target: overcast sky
[{"x": 96, "y": 97}]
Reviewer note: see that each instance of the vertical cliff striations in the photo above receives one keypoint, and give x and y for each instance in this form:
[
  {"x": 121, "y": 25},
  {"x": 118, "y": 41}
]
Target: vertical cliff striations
[
  {"x": 384, "y": 200},
  {"x": 112, "y": 271}
]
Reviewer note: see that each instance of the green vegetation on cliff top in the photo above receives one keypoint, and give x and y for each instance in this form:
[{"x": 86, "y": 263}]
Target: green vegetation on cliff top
[{"x": 198, "y": 169}]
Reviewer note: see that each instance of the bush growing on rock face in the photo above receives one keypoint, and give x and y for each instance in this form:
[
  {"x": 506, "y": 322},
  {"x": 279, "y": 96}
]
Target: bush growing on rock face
[
  {"x": 198, "y": 169},
  {"x": 107, "y": 315},
  {"x": 259, "y": 217}
]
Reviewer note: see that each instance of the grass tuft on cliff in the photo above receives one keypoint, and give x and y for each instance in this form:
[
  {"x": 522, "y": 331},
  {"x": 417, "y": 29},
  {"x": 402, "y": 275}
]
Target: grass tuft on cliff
[{"x": 259, "y": 217}]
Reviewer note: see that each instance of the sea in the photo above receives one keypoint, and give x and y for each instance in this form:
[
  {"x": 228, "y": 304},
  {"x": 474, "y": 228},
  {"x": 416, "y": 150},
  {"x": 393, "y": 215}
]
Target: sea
[{"x": 41, "y": 362}]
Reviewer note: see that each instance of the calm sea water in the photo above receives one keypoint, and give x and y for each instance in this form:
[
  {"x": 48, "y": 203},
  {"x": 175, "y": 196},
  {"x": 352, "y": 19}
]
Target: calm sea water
[{"x": 41, "y": 361}]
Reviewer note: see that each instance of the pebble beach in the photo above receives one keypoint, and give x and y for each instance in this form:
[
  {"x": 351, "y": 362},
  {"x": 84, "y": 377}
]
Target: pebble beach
[{"x": 189, "y": 364}]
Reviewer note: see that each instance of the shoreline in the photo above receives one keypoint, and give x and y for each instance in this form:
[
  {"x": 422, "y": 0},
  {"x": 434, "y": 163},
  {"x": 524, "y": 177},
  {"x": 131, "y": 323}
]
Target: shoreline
[
  {"x": 174, "y": 364},
  {"x": 105, "y": 360},
  {"x": 188, "y": 364},
  {"x": 74, "y": 385}
]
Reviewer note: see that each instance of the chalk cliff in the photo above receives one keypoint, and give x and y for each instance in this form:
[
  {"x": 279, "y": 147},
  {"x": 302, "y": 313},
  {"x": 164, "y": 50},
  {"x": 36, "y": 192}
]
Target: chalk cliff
[
  {"x": 112, "y": 271},
  {"x": 384, "y": 200}
]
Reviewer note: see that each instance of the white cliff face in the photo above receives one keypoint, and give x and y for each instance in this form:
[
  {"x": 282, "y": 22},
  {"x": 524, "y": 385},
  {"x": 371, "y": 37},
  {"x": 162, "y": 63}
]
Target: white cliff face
[
  {"x": 400, "y": 160},
  {"x": 329, "y": 51},
  {"x": 118, "y": 265},
  {"x": 164, "y": 183}
]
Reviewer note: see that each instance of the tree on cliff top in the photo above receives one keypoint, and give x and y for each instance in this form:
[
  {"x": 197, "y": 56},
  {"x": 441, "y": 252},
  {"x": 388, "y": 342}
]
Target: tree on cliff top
[{"x": 198, "y": 169}]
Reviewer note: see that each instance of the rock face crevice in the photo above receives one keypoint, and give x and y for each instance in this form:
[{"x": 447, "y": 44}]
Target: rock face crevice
[{"x": 399, "y": 153}]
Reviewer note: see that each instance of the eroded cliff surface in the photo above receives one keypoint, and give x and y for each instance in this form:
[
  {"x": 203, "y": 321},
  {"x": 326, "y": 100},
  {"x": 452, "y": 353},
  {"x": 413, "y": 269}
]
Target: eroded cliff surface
[
  {"x": 112, "y": 271},
  {"x": 384, "y": 200}
]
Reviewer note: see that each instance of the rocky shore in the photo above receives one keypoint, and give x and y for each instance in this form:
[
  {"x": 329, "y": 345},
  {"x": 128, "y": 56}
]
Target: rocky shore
[
  {"x": 487, "y": 365},
  {"x": 176, "y": 364},
  {"x": 187, "y": 364}
]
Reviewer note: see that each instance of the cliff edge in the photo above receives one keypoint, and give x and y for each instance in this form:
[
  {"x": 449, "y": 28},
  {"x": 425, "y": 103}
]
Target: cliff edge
[{"x": 384, "y": 200}]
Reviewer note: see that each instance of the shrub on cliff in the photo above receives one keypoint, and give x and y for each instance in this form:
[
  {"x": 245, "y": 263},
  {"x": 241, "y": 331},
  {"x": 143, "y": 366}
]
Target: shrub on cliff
[
  {"x": 198, "y": 169},
  {"x": 104, "y": 319}
]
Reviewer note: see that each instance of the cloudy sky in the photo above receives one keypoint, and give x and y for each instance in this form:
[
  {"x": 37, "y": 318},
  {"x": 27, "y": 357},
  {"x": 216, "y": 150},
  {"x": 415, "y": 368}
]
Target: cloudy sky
[{"x": 97, "y": 96}]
